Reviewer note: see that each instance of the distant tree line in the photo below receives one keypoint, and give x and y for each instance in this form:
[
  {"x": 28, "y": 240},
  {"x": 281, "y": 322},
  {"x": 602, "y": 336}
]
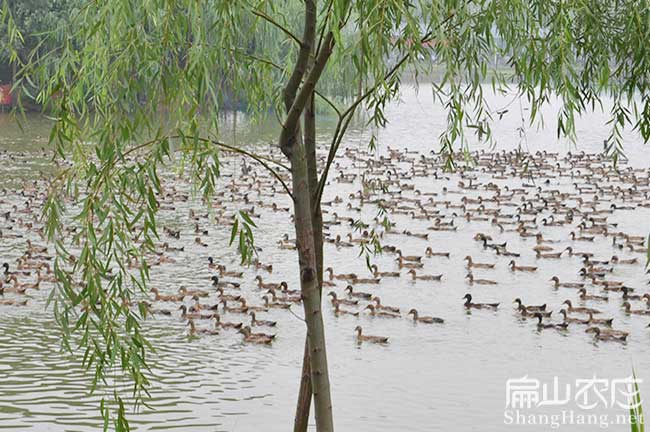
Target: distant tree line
[
  {"x": 38, "y": 21},
  {"x": 44, "y": 38}
]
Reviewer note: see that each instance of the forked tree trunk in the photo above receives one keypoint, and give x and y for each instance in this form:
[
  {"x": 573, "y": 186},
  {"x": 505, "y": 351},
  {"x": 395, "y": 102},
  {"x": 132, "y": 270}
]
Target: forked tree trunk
[{"x": 297, "y": 100}]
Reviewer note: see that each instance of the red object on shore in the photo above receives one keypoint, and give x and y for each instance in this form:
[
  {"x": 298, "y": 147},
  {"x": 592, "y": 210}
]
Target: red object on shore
[{"x": 5, "y": 95}]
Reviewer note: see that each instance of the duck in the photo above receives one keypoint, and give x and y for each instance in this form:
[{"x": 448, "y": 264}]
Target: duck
[
  {"x": 275, "y": 305},
  {"x": 599, "y": 335},
  {"x": 515, "y": 267},
  {"x": 223, "y": 272},
  {"x": 617, "y": 260},
  {"x": 557, "y": 326},
  {"x": 256, "y": 322},
  {"x": 585, "y": 310},
  {"x": 380, "y": 313},
  {"x": 558, "y": 284},
  {"x": 199, "y": 242},
  {"x": 380, "y": 306},
  {"x": 365, "y": 281},
  {"x": 336, "y": 300},
  {"x": 469, "y": 305},
  {"x": 338, "y": 311},
  {"x": 555, "y": 255},
  {"x": 602, "y": 321},
  {"x": 411, "y": 258},
  {"x": 627, "y": 296},
  {"x": 410, "y": 265},
  {"x": 262, "y": 285},
  {"x": 425, "y": 319},
  {"x": 229, "y": 297},
  {"x": 358, "y": 294},
  {"x": 630, "y": 311},
  {"x": 7, "y": 272},
  {"x": 569, "y": 319},
  {"x": 224, "y": 324},
  {"x": 607, "y": 331},
  {"x": 415, "y": 276},
  {"x": 13, "y": 302},
  {"x": 471, "y": 263},
  {"x": 199, "y": 293},
  {"x": 198, "y": 230},
  {"x": 244, "y": 305},
  {"x": 582, "y": 254},
  {"x": 377, "y": 274},
  {"x": 16, "y": 289},
  {"x": 161, "y": 297},
  {"x": 199, "y": 307},
  {"x": 258, "y": 338},
  {"x": 194, "y": 331},
  {"x": 193, "y": 315},
  {"x": 431, "y": 253},
  {"x": 526, "y": 313},
  {"x": 225, "y": 284},
  {"x": 574, "y": 237},
  {"x": 233, "y": 309},
  {"x": 374, "y": 339},
  {"x": 348, "y": 276},
  {"x": 585, "y": 296},
  {"x": 531, "y": 308},
  {"x": 473, "y": 281},
  {"x": 283, "y": 298},
  {"x": 265, "y": 267}
]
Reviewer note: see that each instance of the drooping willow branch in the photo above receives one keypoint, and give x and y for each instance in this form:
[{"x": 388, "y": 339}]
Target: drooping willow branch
[
  {"x": 257, "y": 158},
  {"x": 278, "y": 25}
]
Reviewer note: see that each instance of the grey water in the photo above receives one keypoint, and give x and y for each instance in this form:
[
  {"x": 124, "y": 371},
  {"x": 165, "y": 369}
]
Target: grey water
[{"x": 428, "y": 378}]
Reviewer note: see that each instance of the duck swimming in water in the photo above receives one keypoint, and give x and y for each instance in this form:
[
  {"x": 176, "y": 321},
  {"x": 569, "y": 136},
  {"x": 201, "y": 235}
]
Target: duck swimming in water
[
  {"x": 558, "y": 326},
  {"x": 570, "y": 308},
  {"x": 358, "y": 294},
  {"x": 374, "y": 339},
  {"x": 469, "y": 305},
  {"x": 599, "y": 335},
  {"x": 425, "y": 319},
  {"x": 515, "y": 267},
  {"x": 415, "y": 276},
  {"x": 472, "y": 281},
  {"x": 381, "y": 313},
  {"x": 585, "y": 296}
]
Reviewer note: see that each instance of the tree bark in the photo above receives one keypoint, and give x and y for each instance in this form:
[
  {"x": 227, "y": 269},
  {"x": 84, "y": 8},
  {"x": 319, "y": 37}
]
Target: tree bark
[
  {"x": 309, "y": 285},
  {"x": 305, "y": 392}
]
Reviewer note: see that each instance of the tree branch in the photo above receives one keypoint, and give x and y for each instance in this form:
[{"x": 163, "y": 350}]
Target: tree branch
[
  {"x": 344, "y": 119},
  {"x": 303, "y": 55},
  {"x": 259, "y": 159},
  {"x": 327, "y": 100},
  {"x": 298, "y": 105},
  {"x": 279, "y": 26}
]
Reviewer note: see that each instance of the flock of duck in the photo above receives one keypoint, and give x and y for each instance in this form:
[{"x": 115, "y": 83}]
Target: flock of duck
[{"x": 581, "y": 193}]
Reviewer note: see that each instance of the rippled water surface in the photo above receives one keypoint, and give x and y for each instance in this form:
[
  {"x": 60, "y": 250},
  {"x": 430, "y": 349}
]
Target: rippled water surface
[{"x": 429, "y": 378}]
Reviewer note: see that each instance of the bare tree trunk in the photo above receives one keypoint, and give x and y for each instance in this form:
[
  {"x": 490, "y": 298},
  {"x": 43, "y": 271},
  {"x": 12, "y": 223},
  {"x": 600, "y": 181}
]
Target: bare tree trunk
[
  {"x": 309, "y": 285},
  {"x": 303, "y": 408},
  {"x": 305, "y": 392}
]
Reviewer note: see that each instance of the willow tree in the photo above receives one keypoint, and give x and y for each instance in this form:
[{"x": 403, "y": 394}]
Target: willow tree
[{"x": 124, "y": 64}]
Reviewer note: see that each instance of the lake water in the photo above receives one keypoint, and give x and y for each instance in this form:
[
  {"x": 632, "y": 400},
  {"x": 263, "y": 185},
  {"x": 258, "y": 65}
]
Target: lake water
[{"x": 428, "y": 378}]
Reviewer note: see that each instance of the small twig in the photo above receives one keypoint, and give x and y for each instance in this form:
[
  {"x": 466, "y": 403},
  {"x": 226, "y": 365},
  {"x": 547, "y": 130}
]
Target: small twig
[{"x": 294, "y": 314}]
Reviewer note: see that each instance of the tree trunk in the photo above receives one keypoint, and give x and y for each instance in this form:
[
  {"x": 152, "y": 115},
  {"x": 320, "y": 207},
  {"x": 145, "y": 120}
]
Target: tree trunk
[
  {"x": 295, "y": 151},
  {"x": 304, "y": 396},
  {"x": 297, "y": 99}
]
